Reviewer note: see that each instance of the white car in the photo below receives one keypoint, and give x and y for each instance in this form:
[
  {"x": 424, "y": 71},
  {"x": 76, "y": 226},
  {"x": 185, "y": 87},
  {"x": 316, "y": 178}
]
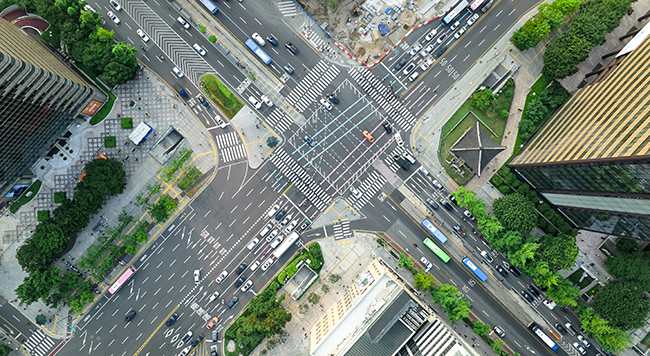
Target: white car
[
  {"x": 286, "y": 220},
  {"x": 426, "y": 51},
  {"x": 355, "y": 192},
  {"x": 177, "y": 72},
  {"x": 579, "y": 348},
  {"x": 113, "y": 17},
  {"x": 273, "y": 234},
  {"x": 247, "y": 286},
  {"x": 273, "y": 210},
  {"x": 398, "y": 139},
  {"x": 459, "y": 33},
  {"x": 254, "y": 102},
  {"x": 431, "y": 35},
  {"x": 326, "y": 104},
  {"x": 253, "y": 243},
  {"x": 472, "y": 19},
  {"x": 414, "y": 76},
  {"x": 408, "y": 69},
  {"x": 584, "y": 341},
  {"x": 267, "y": 264},
  {"x": 425, "y": 262},
  {"x": 142, "y": 35},
  {"x": 255, "y": 266},
  {"x": 185, "y": 351},
  {"x": 183, "y": 22},
  {"x": 425, "y": 65},
  {"x": 260, "y": 41},
  {"x": 213, "y": 297},
  {"x": 454, "y": 26},
  {"x": 221, "y": 277},
  {"x": 291, "y": 226},
  {"x": 197, "y": 276},
  {"x": 267, "y": 101},
  {"x": 199, "y": 49},
  {"x": 115, "y": 5},
  {"x": 415, "y": 50},
  {"x": 220, "y": 122}
]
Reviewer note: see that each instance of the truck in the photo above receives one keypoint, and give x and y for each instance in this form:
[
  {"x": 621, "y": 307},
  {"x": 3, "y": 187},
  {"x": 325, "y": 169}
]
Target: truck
[{"x": 180, "y": 90}]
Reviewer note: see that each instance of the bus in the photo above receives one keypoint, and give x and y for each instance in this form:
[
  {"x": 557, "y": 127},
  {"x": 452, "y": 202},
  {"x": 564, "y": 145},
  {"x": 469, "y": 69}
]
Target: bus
[
  {"x": 284, "y": 246},
  {"x": 477, "y": 271},
  {"x": 210, "y": 6},
  {"x": 476, "y": 4},
  {"x": 258, "y": 51},
  {"x": 122, "y": 280},
  {"x": 436, "y": 250},
  {"x": 540, "y": 334},
  {"x": 435, "y": 232},
  {"x": 453, "y": 14}
]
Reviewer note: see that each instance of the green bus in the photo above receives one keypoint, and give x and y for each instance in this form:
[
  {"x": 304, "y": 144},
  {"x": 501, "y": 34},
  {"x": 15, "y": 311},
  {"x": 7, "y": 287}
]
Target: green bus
[{"x": 436, "y": 250}]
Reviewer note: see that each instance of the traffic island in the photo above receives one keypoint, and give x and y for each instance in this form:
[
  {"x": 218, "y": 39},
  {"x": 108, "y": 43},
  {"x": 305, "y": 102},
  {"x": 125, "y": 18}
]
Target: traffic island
[{"x": 221, "y": 96}]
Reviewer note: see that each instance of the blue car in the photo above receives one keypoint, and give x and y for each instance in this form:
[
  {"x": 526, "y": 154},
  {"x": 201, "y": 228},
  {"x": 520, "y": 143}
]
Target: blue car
[
  {"x": 272, "y": 40},
  {"x": 310, "y": 141}
]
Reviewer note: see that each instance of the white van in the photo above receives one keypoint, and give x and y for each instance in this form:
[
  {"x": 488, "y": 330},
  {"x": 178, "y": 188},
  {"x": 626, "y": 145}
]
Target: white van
[
  {"x": 266, "y": 230},
  {"x": 409, "y": 157},
  {"x": 260, "y": 41}
]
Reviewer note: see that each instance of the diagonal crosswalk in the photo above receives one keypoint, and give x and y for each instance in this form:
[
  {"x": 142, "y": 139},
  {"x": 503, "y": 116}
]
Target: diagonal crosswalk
[{"x": 312, "y": 85}]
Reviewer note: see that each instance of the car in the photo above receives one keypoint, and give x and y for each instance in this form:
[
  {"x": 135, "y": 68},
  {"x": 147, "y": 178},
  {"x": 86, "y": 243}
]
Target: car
[
  {"x": 177, "y": 72},
  {"x": 199, "y": 49},
  {"x": 499, "y": 331},
  {"x": 425, "y": 52},
  {"x": 514, "y": 270},
  {"x": 198, "y": 340},
  {"x": 424, "y": 171},
  {"x": 267, "y": 264},
  {"x": 425, "y": 262},
  {"x": 247, "y": 286},
  {"x": 197, "y": 276},
  {"x": 387, "y": 127},
  {"x": 161, "y": 57},
  {"x": 309, "y": 141},
  {"x": 454, "y": 26},
  {"x": 401, "y": 162},
  {"x": 286, "y": 220},
  {"x": 255, "y": 265},
  {"x": 291, "y": 226},
  {"x": 357, "y": 194},
  {"x": 253, "y": 243},
  {"x": 272, "y": 235},
  {"x": 113, "y": 17},
  {"x": 203, "y": 101},
  {"x": 487, "y": 257},
  {"x": 426, "y": 64},
  {"x": 534, "y": 291},
  {"x": 560, "y": 328},
  {"x": 326, "y": 104},
  {"x": 485, "y": 8},
  {"x": 414, "y": 76},
  {"x": 232, "y": 302},
  {"x": 304, "y": 225},
  {"x": 241, "y": 268},
  {"x": 280, "y": 215},
  {"x": 221, "y": 277},
  {"x": 579, "y": 348},
  {"x": 415, "y": 49},
  {"x": 142, "y": 35},
  {"x": 267, "y": 101},
  {"x": 288, "y": 68},
  {"x": 187, "y": 337},
  {"x": 129, "y": 316},
  {"x": 368, "y": 136},
  {"x": 571, "y": 328},
  {"x": 401, "y": 63},
  {"x": 437, "y": 184},
  {"x": 446, "y": 204},
  {"x": 291, "y": 48},
  {"x": 472, "y": 19},
  {"x": 549, "y": 304},
  {"x": 183, "y": 23},
  {"x": 459, "y": 33},
  {"x": 398, "y": 139},
  {"x": 212, "y": 323},
  {"x": 213, "y": 297},
  {"x": 215, "y": 336},
  {"x": 272, "y": 40},
  {"x": 172, "y": 319},
  {"x": 501, "y": 270},
  {"x": 408, "y": 69},
  {"x": 457, "y": 227},
  {"x": 432, "y": 203},
  {"x": 185, "y": 351},
  {"x": 116, "y": 6},
  {"x": 441, "y": 38},
  {"x": 430, "y": 35},
  {"x": 332, "y": 98},
  {"x": 469, "y": 215},
  {"x": 584, "y": 341},
  {"x": 273, "y": 210},
  {"x": 254, "y": 102},
  {"x": 440, "y": 52},
  {"x": 258, "y": 39},
  {"x": 527, "y": 296}
]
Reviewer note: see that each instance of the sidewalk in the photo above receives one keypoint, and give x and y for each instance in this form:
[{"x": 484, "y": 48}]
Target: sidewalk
[{"x": 144, "y": 99}]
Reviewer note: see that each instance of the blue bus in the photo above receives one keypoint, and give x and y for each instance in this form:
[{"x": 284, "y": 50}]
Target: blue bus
[
  {"x": 453, "y": 14},
  {"x": 435, "y": 232},
  {"x": 210, "y": 6},
  {"x": 477, "y": 271},
  {"x": 258, "y": 51}
]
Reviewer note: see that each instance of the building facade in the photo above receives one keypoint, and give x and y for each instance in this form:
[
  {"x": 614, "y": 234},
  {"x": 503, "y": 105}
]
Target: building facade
[
  {"x": 40, "y": 97},
  {"x": 591, "y": 160}
]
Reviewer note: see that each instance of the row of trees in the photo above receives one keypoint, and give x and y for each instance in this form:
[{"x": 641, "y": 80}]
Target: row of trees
[
  {"x": 539, "y": 108},
  {"x": 550, "y": 18}
]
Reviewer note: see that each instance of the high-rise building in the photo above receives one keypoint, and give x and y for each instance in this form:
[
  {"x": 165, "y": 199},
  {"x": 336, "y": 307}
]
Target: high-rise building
[
  {"x": 591, "y": 160},
  {"x": 40, "y": 97}
]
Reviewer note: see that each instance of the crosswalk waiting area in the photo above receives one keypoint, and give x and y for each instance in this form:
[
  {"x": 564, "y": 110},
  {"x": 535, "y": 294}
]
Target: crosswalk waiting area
[
  {"x": 368, "y": 188},
  {"x": 312, "y": 86},
  {"x": 230, "y": 146}
]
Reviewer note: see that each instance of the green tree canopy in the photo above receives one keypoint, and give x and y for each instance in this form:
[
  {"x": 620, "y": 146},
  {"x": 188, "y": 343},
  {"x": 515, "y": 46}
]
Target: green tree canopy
[
  {"x": 623, "y": 304},
  {"x": 563, "y": 293},
  {"x": 424, "y": 281},
  {"x": 559, "y": 251},
  {"x": 633, "y": 267},
  {"x": 516, "y": 213},
  {"x": 482, "y": 99},
  {"x": 508, "y": 242}
]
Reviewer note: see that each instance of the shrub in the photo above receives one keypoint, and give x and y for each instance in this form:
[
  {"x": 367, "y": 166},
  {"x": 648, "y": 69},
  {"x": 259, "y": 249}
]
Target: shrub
[
  {"x": 126, "y": 123},
  {"x": 42, "y": 215},
  {"x": 212, "y": 38},
  {"x": 189, "y": 177},
  {"x": 110, "y": 141},
  {"x": 27, "y": 196},
  {"x": 59, "y": 197}
]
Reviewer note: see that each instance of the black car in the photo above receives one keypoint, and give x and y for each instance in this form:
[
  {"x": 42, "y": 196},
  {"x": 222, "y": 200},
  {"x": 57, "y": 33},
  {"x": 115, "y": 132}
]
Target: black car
[
  {"x": 527, "y": 296},
  {"x": 487, "y": 6},
  {"x": 291, "y": 48},
  {"x": 197, "y": 341},
  {"x": 560, "y": 328},
  {"x": 130, "y": 316},
  {"x": 446, "y": 204},
  {"x": 501, "y": 270},
  {"x": 452, "y": 199},
  {"x": 401, "y": 63},
  {"x": 332, "y": 98},
  {"x": 232, "y": 302},
  {"x": 203, "y": 101},
  {"x": 240, "y": 281},
  {"x": 514, "y": 270},
  {"x": 280, "y": 215},
  {"x": 402, "y": 162},
  {"x": 387, "y": 127},
  {"x": 440, "y": 52},
  {"x": 171, "y": 319},
  {"x": 241, "y": 268},
  {"x": 534, "y": 291}
]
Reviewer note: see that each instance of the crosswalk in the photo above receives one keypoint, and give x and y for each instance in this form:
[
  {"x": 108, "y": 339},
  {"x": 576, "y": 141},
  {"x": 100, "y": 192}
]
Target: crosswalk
[
  {"x": 368, "y": 188},
  {"x": 38, "y": 344},
  {"x": 383, "y": 96},
  {"x": 389, "y": 158},
  {"x": 288, "y": 8},
  {"x": 342, "y": 230},
  {"x": 297, "y": 175},
  {"x": 312, "y": 85},
  {"x": 279, "y": 120},
  {"x": 230, "y": 146}
]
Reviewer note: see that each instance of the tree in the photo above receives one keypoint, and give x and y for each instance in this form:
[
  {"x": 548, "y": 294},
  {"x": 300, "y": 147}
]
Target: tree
[
  {"x": 424, "y": 281},
  {"x": 116, "y": 74},
  {"x": 562, "y": 57},
  {"x": 467, "y": 199},
  {"x": 522, "y": 39},
  {"x": 37, "y": 285},
  {"x": 520, "y": 258},
  {"x": 554, "y": 95},
  {"x": 39, "y": 250},
  {"x": 563, "y": 293},
  {"x": 272, "y": 141},
  {"x": 536, "y": 111},
  {"x": 516, "y": 213},
  {"x": 212, "y": 38},
  {"x": 458, "y": 310},
  {"x": 482, "y": 99},
  {"x": 623, "y": 304},
  {"x": 559, "y": 251},
  {"x": 481, "y": 329},
  {"x": 489, "y": 226},
  {"x": 445, "y": 294},
  {"x": 612, "y": 339},
  {"x": 162, "y": 209},
  {"x": 104, "y": 177},
  {"x": 5, "y": 350},
  {"x": 627, "y": 245},
  {"x": 509, "y": 242},
  {"x": 633, "y": 267}
]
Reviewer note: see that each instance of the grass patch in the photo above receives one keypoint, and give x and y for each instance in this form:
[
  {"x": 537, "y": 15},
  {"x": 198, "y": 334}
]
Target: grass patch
[
  {"x": 535, "y": 91},
  {"x": 575, "y": 277},
  {"x": 59, "y": 197},
  {"x": 52, "y": 36},
  {"x": 593, "y": 290},
  {"x": 27, "y": 196},
  {"x": 126, "y": 123},
  {"x": 110, "y": 141},
  {"x": 221, "y": 96},
  {"x": 189, "y": 177},
  {"x": 42, "y": 215}
]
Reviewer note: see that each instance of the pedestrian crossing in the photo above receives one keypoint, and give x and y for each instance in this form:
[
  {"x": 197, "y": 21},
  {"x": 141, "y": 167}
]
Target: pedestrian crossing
[
  {"x": 230, "y": 146},
  {"x": 368, "y": 188},
  {"x": 38, "y": 344},
  {"x": 298, "y": 176},
  {"x": 321, "y": 42},
  {"x": 279, "y": 120},
  {"x": 383, "y": 96},
  {"x": 342, "y": 230},
  {"x": 389, "y": 159},
  {"x": 288, "y": 8},
  {"x": 312, "y": 85}
]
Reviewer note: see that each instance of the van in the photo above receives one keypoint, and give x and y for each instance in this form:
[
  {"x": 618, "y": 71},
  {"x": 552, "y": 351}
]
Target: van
[
  {"x": 408, "y": 157},
  {"x": 266, "y": 230},
  {"x": 260, "y": 41}
]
